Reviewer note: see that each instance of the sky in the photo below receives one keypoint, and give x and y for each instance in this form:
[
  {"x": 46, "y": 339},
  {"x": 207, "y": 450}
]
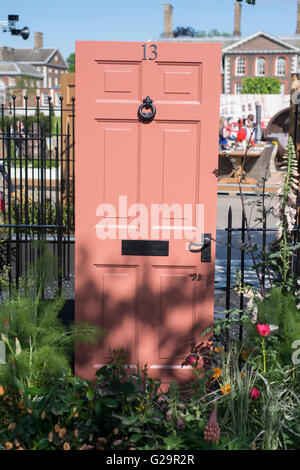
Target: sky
[{"x": 65, "y": 21}]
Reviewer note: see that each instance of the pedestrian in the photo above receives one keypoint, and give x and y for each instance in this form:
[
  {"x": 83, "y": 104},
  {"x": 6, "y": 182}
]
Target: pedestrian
[{"x": 223, "y": 134}]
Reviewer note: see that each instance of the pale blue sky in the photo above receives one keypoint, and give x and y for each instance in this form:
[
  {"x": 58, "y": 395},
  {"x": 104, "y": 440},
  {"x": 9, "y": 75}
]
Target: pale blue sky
[{"x": 64, "y": 21}]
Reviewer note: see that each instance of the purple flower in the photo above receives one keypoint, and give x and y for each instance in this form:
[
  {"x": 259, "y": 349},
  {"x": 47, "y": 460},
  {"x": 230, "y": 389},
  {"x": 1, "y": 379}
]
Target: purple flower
[{"x": 180, "y": 424}]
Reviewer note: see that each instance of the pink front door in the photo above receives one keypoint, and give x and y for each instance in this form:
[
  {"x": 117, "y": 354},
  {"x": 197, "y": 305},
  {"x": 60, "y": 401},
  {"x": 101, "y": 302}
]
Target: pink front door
[{"x": 139, "y": 187}]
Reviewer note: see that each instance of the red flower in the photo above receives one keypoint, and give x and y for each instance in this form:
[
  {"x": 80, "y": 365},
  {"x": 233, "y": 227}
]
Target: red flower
[
  {"x": 255, "y": 393},
  {"x": 192, "y": 359},
  {"x": 263, "y": 330}
]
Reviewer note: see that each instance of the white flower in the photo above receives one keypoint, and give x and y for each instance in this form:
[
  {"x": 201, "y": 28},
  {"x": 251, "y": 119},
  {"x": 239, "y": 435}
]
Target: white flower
[
  {"x": 254, "y": 315},
  {"x": 279, "y": 232},
  {"x": 292, "y": 198},
  {"x": 290, "y": 214}
]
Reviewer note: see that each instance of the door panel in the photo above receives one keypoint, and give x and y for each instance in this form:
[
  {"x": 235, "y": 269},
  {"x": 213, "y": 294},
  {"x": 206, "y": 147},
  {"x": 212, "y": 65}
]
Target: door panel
[
  {"x": 173, "y": 308},
  {"x": 178, "y": 82},
  {"x": 118, "y": 153},
  {"x": 153, "y": 306},
  {"x": 118, "y": 287}
]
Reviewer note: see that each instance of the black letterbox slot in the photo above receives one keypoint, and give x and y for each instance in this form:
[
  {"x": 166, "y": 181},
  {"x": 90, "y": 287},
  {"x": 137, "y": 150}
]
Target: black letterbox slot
[{"x": 145, "y": 247}]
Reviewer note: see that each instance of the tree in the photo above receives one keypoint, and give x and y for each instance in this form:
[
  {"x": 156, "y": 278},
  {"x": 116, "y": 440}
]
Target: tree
[
  {"x": 212, "y": 33},
  {"x": 71, "y": 62},
  {"x": 261, "y": 85},
  {"x": 185, "y": 31},
  {"x": 188, "y": 31}
]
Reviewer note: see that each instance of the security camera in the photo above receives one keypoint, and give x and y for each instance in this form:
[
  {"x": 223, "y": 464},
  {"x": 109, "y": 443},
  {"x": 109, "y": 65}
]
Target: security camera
[
  {"x": 20, "y": 32},
  {"x": 10, "y": 25},
  {"x": 13, "y": 18}
]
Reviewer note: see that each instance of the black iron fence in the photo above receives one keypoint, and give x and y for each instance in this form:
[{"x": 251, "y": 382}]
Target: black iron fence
[
  {"x": 37, "y": 156},
  {"x": 238, "y": 252}
]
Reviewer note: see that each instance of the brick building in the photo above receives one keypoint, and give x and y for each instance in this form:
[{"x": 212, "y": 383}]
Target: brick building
[
  {"x": 258, "y": 55},
  {"x": 38, "y": 69}
]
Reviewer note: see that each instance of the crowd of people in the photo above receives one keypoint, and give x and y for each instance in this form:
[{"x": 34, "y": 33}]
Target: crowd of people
[{"x": 236, "y": 133}]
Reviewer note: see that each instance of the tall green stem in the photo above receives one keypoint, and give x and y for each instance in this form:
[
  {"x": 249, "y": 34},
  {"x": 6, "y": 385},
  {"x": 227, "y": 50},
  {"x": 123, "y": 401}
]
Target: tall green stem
[{"x": 263, "y": 345}]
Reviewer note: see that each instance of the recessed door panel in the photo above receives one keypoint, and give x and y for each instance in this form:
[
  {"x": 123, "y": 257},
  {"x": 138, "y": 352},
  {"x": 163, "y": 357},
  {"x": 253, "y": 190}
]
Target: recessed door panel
[
  {"x": 177, "y": 312},
  {"x": 179, "y": 82},
  {"x": 118, "y": 312},
  {"x": 117, "y": 151}
]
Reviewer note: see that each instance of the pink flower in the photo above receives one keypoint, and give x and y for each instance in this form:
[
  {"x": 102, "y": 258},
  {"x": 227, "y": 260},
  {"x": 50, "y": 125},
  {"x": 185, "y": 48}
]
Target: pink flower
[
  {"x": 263, "y": 329},
  {"x": 2, "y": 203},
  {"x": 180, "y": 424},
  {"x": 192, "y": 359},
  {"x": 255, "y": 393}
]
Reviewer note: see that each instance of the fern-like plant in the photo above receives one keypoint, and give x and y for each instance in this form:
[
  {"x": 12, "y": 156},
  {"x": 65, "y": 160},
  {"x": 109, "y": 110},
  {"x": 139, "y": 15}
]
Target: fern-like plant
[{"x": 38, "y": 345}]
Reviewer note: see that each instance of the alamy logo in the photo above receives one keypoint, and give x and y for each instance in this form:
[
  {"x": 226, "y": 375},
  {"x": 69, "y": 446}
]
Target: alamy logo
[{"x": 151, "y": 223}]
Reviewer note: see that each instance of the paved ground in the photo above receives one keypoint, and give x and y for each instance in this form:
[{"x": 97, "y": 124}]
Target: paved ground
[{"x": 253, "y": 213}]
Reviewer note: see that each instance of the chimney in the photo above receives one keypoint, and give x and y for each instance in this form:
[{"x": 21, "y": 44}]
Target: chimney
[
  {"x": 38, "y": 40},
  {"x": 168, "y": 23},
  {"x": 298, "y": 19},
  {"x": 237, "y": 19}
]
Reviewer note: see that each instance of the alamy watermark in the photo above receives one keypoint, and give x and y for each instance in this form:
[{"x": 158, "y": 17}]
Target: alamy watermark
[{"x": 158, "y": 221}]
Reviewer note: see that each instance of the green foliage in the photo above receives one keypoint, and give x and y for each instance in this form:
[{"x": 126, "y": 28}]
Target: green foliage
[
  {"x": 188, "y": 31},
  {"x": 285, "y": 211},
  {"x": 38, "y": 344},
  {"x": 279, "y": 308},
  {"x": 44, "y": 121},
  {"x": 261, "y": 85},
  {"x": 52, "y": 213},
  {"x": 27, "y": 82},
  {"x": 71, "y": 62},
  {"x": 124, "y": 410},
  {"x": 213, "y": 33}
]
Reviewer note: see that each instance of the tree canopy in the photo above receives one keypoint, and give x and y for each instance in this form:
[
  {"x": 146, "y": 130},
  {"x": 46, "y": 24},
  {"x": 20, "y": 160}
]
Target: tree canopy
[
  {"x": 261, "y": 86},
  {"x": 71, "y": 62},
  {"x": 188, "y": 31}
]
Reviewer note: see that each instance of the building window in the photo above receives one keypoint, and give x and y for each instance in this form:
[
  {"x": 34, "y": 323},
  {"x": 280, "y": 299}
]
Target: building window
[
  {"x": 11, "y": 81},
  {"x": 240, "y": 66},
  {"x": 45, "y": 101},
  {"x": 282, "y": 88},
  {"x": 260, "y": 67},
  {"x": 280, "y": 66},
  {"x": 238, "y": 88}
]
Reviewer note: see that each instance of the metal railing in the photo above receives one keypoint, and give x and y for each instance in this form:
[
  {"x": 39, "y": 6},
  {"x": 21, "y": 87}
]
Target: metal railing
[{"x": 37, "y": 157}]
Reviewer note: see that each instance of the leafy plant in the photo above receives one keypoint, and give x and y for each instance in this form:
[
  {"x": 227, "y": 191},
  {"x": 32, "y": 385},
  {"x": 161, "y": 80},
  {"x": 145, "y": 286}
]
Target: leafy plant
[
  {"x": 38, "y": 344},
  {"x": 261, "y": 85}
]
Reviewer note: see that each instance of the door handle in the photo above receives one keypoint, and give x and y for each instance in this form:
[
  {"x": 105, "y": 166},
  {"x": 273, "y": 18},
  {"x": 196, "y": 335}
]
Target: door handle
[
  {"x": 204, "y": 247},
  {"x": 147, "y": 104}
]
